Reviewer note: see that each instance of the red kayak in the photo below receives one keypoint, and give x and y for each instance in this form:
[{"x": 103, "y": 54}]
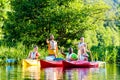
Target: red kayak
[
  {"x": 45, "y": 64},
  {"x": 79, "y": 64},
  {"x": 68, "y": 64}
]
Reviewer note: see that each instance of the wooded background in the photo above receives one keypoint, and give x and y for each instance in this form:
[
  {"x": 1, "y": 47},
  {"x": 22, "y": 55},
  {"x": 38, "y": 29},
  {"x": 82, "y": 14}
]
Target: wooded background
[{"x": 30, "y": 22}]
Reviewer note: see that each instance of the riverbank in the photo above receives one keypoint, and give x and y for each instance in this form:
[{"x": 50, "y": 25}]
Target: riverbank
[{"x": 20, "y": 51}]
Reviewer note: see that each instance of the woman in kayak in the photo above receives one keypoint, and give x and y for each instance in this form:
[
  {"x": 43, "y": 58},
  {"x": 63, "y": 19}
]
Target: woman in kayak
[
  {"x": 34, "y": 54},
  {"x": 70, "y": 56},
  {"x": 82, "y": 50},
  {"x": 52, "y": 48}
]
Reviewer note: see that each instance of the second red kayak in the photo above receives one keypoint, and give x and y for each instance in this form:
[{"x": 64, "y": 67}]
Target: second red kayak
[
  {"x": 79, "y": 64},
  {"x": 68, "y": 64}
]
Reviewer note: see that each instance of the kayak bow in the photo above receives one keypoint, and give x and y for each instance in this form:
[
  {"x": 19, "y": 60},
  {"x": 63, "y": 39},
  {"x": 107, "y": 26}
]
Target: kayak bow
[{"x": 29, "y": 62}]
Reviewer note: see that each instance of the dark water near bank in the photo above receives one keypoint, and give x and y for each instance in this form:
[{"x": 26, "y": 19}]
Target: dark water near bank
[{"x": 111, "y": 72}]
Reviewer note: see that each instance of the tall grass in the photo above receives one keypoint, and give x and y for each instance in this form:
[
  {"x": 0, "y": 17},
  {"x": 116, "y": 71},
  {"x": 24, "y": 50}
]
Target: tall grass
[
  {"x": 108, "y": 54},
  {"x": 20, "y": 51}
]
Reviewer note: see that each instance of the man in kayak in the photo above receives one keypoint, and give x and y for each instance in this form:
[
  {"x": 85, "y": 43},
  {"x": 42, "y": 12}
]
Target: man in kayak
[
  {"x": 82, "y": 50},
  {"x": 70, "y": 56},
  {"x": 52, "y": 48},
  {"x": 34, "y": 54}
]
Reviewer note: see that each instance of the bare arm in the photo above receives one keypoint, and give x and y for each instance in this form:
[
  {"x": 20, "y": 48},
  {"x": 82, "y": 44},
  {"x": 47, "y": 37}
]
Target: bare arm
[
  {"x": 87, "y": 50},
  {"x": 47, "y": 41},
  {"x": 79, "y": 53},
  {"x": 29, "y": 54},
  {"x": 61, "y": 51}
]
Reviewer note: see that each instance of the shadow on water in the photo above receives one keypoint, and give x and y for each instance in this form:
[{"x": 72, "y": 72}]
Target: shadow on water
[{"x": 10, "y": 72}]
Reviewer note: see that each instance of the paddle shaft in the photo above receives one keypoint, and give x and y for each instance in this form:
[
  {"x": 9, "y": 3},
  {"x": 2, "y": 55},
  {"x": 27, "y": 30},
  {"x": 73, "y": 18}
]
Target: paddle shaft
[{"x": 91, "y": 56}]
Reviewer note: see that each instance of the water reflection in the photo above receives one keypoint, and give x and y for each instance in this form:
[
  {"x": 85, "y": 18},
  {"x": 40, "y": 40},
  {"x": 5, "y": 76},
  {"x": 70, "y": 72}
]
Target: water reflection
[
  {"x": 80, "y": 73},
  {"x": 73, "y": 73},
  {"x": 31, "y": 72},
  {"x": 10, "y": 72},
  {"x": 53, "y": 73}
]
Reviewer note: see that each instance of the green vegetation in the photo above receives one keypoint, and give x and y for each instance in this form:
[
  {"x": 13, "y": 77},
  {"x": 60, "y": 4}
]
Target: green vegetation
[{"x": 28, "y": 22}]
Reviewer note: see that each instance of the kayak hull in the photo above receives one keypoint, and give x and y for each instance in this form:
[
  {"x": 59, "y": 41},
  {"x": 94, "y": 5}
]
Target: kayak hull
[
  {"x": 67, "y": 64},
  {"x": 29, "y": 62},
  {"x": 79, "y": 64},
  {"x": 45, "y": 64}
]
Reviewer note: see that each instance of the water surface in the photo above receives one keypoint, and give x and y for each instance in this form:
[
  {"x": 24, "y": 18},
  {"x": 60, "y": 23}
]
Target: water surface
[{"x": 11, "y": 72}]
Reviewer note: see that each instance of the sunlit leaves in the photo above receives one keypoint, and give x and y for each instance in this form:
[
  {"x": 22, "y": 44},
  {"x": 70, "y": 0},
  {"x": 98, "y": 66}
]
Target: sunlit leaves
[{"x": 34, "y": 20}]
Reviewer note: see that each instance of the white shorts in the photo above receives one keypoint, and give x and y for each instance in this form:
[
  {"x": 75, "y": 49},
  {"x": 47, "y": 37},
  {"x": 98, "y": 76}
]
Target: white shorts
[{"x": 50, "y": 58}]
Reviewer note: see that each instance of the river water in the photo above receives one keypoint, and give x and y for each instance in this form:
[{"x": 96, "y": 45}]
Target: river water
[{"x": 17, "y": 72}]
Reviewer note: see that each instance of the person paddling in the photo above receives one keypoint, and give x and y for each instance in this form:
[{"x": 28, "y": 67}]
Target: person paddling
[
  {"x": 70, "y": 56},
  {"x": 52, "y": 48},
  {"x": 82, "y": 50},
  {"x": 34, "y": 55}
]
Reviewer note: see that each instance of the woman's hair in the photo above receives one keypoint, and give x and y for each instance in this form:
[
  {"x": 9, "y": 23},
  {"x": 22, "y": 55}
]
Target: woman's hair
[
  {"x": 51, "y": 36},
  {"x": 82, "y": 38},
  {"x": 35, "y": 46},
  {"x": 70, "y": 50}
]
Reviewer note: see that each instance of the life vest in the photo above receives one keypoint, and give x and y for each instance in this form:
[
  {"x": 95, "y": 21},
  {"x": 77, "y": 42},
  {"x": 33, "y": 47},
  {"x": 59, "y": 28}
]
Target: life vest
[
  {"x": 52, "y": 47},
  {"x": 68, "y": 56},
  {"x": 81, "y": 45},
  {"x": 33, "y": 55},
  {"x": 81, "y": 48}
]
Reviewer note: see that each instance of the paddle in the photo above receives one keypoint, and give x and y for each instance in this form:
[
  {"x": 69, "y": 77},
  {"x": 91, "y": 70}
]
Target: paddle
[
  {"x": 90, "y": 53},
  {"x": 91, "y": 56}
]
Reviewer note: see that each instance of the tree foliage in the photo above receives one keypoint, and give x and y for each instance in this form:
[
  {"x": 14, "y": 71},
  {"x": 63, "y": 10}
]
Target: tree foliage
[
  {"x": 4, "y": 8},
  {"x": 31, "y": 21}
]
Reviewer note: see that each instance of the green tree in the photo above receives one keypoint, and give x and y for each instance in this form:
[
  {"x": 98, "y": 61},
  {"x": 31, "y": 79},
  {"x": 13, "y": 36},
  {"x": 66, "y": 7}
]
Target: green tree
[
  {"x": 31, "y": 21},
  {"x": 4, "y": 8}
]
